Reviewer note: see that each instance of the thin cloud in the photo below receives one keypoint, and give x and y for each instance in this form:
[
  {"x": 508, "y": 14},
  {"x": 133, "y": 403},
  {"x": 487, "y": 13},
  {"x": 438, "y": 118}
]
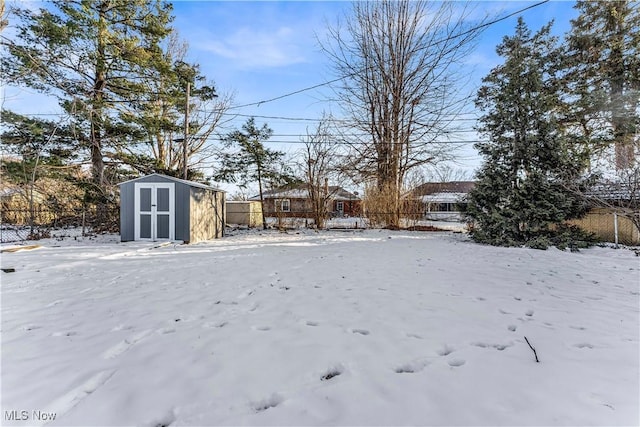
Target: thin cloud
[{"x": 248, "y": 48}]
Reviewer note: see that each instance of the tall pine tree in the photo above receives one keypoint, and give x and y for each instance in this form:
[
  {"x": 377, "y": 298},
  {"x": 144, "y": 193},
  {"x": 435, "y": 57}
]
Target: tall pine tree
[
  {"x": 527, "y": 182},
  {"x": 91, "y": 55},
  {"x": 602, "y": 65}
]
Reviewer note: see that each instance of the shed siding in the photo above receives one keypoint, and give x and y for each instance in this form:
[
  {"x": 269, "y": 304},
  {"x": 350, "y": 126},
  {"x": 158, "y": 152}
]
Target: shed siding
[
  {"x": 207, "y": 214},
  {"x": 127, "y": 212},
  {"x": 182, "y": 212}
]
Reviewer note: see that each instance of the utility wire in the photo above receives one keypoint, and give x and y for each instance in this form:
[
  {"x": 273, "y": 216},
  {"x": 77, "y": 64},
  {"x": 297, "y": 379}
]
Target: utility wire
[{"x": 476, "y": 28}]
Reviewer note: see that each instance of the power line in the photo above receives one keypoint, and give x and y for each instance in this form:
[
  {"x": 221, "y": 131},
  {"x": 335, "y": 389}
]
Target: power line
[
  {"x": 330, "y": 119},
  {"x": 291, "y": 141},
  {"x": 284, "y": 118},
  {"x": 476, "y": 28}
]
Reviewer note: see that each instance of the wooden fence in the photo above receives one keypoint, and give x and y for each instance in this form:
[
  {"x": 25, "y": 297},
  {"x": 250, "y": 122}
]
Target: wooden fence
[{"x": 607, "y": 224}]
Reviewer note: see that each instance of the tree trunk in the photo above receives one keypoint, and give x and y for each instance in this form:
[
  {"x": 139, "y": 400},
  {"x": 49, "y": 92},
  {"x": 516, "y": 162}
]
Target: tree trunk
[
  {"x": 621, "y": 116},
  {"x": 264, "y": 219},
  {"x": 100, "y": 84}
]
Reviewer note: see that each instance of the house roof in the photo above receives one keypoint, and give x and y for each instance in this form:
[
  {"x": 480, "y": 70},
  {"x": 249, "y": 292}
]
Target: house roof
[
  {"x": 613, "y": 191},
  {"x": 300, "y": 192},
  {"x": 462, "y": 187},
  {"x": 444, "y": 197},
  {"x": 171, "y": 178}
]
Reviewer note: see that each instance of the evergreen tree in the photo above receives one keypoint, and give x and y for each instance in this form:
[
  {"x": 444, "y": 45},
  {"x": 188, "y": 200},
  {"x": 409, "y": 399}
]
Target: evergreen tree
[
  {"x": 530, "y": 173},
  {"x": 250, "y": 161},
  {"x": 37, "y": 153},
  {"x": 92, "y": 56},
  {"x": 602, "y": 65},
  {"x": 41, "y": 148},
  {"x": 160, "y": 118}
]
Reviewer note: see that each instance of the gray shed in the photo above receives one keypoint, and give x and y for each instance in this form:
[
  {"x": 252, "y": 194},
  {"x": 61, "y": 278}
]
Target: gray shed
[{"x": 160, "y": 207}]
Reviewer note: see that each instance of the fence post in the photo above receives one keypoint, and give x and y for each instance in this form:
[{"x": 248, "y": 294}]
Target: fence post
[{"x": 615, "y": 228}]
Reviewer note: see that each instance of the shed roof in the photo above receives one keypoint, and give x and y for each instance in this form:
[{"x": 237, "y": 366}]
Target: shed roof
[{"x": 171, "y": 178}]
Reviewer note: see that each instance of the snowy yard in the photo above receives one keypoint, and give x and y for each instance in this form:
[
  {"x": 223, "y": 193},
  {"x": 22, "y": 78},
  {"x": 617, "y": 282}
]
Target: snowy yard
[{"x": 336, "y": 328}]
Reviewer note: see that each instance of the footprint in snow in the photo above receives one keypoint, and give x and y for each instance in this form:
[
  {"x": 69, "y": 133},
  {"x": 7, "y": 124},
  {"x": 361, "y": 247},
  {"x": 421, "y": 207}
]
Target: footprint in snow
[
  {"x": 261, "y": 328},
  {"x": 529, "y": 313},
  {"x": 246, "y": 294},
  {"x": 456, "y": 362},
  {"x": 163, "y": 421},
  {"x": 124, "y": 345},
  {"x": 584, "y": 345},
  {"x": 270, "y": 402},
  {"x": 56, "y": 302},
  {"x": 70, "y": 399},
  {"x": 332, "y": 373},
  {"x": 121, "y": 327},
  {"x": 360, "y": 331},
  {"x": 411, "y": 367},
  {"x": 64, "y": 334},
  {"x": 446, "y": 350},
  {"x": 311, "y": 323},
  {"x": 214, "y": 324},
  {"x": 512, "y": 328},
  {"x": 412, "y": 335},
  {"x": 499, "y": 347}
]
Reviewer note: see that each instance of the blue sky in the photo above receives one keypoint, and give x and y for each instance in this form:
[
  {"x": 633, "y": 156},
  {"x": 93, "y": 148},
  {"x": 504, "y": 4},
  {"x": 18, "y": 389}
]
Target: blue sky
[{"x": 261, "y": 50}]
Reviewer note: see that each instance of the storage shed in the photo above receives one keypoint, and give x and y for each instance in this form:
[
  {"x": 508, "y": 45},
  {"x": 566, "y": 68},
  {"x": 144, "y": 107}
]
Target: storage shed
[
  {"x": 159, "y": 207},
  {"x": 245, "y": 212}
]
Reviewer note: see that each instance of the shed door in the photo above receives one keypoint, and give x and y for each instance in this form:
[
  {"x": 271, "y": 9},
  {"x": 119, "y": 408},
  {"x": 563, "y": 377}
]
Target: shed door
[{"x": 154, "y": 217}]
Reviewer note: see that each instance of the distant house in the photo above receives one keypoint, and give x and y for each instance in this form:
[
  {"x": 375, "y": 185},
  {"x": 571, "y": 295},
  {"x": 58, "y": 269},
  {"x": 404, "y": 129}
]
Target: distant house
[
  {"x": 442, "y": 200},
  {"x": 294, "y": 202}
]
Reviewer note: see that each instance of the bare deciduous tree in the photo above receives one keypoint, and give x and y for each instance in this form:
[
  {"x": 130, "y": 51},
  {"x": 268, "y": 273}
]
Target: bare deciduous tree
[
  {"x": 162, "y": 118},
  {"x": 321, "y": 163},
  {"x": 399, "y": 64}
]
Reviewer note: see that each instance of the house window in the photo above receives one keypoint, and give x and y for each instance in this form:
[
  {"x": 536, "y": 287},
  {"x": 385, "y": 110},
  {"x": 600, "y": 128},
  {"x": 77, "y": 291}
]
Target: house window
[
  {"x": 340, "y": 206},
  {"x": 283, "y": 205}
]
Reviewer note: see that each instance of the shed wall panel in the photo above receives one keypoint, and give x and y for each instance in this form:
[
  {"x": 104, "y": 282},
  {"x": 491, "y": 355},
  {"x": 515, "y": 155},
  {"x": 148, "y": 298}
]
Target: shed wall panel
[
  {"x": 182, "y": 212},
  {"x": 127, "y": 212},
  {"x": 206, "y": 214}
]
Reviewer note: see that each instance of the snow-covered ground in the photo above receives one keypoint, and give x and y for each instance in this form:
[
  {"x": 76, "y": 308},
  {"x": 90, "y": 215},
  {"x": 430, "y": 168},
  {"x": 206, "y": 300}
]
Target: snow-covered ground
[{"x": 332, "y": 328}]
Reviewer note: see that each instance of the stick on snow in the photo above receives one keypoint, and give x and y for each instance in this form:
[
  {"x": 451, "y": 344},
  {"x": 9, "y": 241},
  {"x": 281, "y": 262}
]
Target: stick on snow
[{"x": 534, "y": 350}]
